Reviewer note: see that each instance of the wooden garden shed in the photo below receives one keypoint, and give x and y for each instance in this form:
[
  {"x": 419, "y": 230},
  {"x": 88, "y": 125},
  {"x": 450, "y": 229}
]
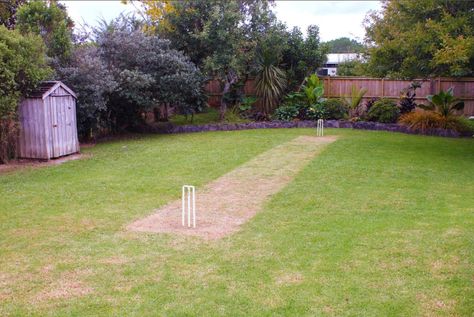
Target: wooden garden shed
[{"x": 48, "y": 122}]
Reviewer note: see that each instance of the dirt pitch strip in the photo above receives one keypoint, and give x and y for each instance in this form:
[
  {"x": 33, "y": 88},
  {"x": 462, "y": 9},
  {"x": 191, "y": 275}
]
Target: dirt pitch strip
[{"x": 232, "y": 199}]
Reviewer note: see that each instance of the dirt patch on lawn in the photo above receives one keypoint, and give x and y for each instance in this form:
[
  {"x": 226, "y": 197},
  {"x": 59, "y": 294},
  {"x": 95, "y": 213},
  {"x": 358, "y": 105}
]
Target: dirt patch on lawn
[
  {"x": 25, "y": 163},
  {"x": 231, "y": 200}
]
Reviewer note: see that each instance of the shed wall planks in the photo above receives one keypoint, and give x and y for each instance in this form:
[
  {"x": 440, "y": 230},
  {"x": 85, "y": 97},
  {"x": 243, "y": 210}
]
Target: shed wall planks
[{"x": 48, "y": 125}]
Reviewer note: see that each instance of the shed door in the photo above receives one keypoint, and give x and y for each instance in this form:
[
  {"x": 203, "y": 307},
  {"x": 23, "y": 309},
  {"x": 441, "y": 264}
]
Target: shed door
[{"x": 62, "y": 118}]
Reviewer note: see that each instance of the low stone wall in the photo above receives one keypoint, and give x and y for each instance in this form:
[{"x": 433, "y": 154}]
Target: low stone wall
[{"x": 392, "y": 127}]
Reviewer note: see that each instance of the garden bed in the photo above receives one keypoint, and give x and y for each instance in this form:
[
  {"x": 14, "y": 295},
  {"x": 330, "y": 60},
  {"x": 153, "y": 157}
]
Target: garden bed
[{"x": 363, "y": 125}]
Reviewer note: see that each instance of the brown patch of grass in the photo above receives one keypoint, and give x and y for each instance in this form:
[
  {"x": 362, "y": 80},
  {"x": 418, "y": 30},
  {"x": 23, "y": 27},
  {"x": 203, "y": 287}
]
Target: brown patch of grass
[
  {"x": 286, "y": 278},
  {"x": 69, "y": 285},
  {"x": 434, "y": 306},
  {"x": 231, "y": 200},
  {"x": 34, "y": 163}
]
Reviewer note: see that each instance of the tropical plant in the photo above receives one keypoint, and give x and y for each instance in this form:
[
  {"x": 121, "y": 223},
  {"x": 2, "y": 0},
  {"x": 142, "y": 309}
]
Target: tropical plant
[
  {"x": 335, "y": 109},
  {"x": 354, "y": 99},
  {"x": 270, "y": 81},
  {"x": 424, "y": 121},
  {"x": 440, "y": 113},
  {"x": 407, "y": 98},
  {"x": 444, "y": 103},
  {"x": 247, "y": 103},
  {"x": 384, "y": 110},
  {"x": 313, "y": 89}
]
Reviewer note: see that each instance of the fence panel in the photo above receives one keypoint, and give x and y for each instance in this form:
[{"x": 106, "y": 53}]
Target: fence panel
[
  {"x": 335, "y": 87},
  {"x": 390, "y": 88}
]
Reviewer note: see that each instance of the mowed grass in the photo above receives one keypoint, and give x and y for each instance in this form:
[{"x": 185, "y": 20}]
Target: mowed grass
[
  {"x": 378, "y": 224},
  {"x": 209, "y": 115}
]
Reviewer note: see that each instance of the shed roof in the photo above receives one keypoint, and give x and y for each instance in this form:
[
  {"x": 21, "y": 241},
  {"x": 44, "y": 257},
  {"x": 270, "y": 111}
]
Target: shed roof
[{"x": 46, "y": 88}]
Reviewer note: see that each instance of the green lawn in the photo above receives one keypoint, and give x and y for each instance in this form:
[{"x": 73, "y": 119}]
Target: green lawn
[
  {"x": 378, "y": 224},
  {"x": 210, "y": 115}
]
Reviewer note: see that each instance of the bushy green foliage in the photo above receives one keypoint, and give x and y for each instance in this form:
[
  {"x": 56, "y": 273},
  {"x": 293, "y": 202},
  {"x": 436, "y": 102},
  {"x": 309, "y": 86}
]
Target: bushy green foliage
[
  {"x": 302, "y": 56},
  {"x": 413, "y": 39},
  {"x": 344, "y": 45},
  {"x": 313, "y": 90},
  {"x": 134, "y": 73},
  {"x": 444, "y": 103},
  {"x": 52, "y": 23},
  {"x": 335, "y": 109},
  {"x": 384, "y": 110},
  {"x": 352, "y": 68},
  {"x": 22, "y": 67},
  {"x": 8, "y": 11},
  {"x": 287, "y": 112}
]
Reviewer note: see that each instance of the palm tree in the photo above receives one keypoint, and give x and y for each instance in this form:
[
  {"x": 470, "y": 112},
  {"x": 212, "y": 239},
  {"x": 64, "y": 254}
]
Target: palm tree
[
  {"x": 353, "y": 101},
  {"x": 270, "y": 82}
]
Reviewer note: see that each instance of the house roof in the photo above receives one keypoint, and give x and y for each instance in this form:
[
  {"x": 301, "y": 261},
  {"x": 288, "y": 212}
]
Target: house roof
[{"x": 46, "y": 88}]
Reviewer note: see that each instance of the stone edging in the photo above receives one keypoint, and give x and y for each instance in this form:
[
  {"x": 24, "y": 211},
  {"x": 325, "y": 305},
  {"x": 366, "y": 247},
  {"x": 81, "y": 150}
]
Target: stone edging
[{"x": 392, "y": 127}]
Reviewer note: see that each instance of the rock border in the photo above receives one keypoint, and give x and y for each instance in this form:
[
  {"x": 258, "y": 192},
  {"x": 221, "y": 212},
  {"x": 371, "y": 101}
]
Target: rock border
[{"x": 169, "y": 128}]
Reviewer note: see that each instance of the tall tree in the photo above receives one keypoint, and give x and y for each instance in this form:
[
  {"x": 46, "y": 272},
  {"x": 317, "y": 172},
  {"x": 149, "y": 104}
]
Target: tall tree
[
  {"x": 22, "y": 67},
  {"x": 421, "y": 38},
  {"x": 344, "y": 45},
  {"x": 302, "y": 56},
  {"x": 50, "y": 20},
  {"x": 218, "y": 35}
]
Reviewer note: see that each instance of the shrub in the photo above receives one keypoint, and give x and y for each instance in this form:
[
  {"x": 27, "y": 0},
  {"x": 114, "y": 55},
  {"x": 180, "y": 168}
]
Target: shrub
[
  {"x": 287, "y": 112},
  {"x": 369, "y": 103},
  {"x": 22, "y": 67},
  {"x": 407, "y": 98},
  {"x": 424, "y": 121},
  {"x": 383, "y": 110},
  {"x": 335, "y": 109},
  {"x": 354, "y": 99},
  {"x": 126, "y": 73},
  {"x": 315, "y": 112}
]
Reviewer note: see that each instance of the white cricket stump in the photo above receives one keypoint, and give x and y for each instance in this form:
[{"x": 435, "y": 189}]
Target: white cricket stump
[
  {"x": 188, "y": 201},
  {"x": 320, "y": 128}
]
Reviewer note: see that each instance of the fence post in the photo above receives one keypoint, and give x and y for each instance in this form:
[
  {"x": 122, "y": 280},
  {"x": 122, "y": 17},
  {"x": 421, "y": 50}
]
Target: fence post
[
  {"x": 329, "y": 87},
  {"x": 383, "y": 87}
]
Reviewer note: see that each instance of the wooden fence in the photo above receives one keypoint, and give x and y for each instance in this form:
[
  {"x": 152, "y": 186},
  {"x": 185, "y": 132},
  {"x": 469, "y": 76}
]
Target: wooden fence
[
  {"x": 335, "y": 87},
  {"x": 389, "y": 88}
]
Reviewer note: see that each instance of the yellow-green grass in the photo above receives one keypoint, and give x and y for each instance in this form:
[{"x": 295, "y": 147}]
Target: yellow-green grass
[{"x": 378, "y": 224}]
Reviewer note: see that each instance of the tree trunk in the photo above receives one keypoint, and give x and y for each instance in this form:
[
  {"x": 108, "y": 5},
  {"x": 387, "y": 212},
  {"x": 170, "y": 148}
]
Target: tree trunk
[
  {"x": 223, "y": 107},
  {"x": 230, "y": 79}
]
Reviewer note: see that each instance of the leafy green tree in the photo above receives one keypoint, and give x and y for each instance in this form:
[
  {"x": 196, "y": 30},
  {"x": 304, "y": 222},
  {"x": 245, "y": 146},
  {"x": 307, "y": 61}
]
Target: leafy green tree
[
  {"x": 51, "y": 21},
  {"x": 352, "y": 68},
  {"x": 423, "y": 38},
  {"x": 22, "y": 67},
  {"x": 302, "y": 56},
  {"x": 126, "y": 72},
  {"x": 344, "y": 45},
  {"x": 8, "y": 10}
]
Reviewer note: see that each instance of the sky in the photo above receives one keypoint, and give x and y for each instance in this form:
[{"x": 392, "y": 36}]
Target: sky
[{"x": 334, "y": 18}]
